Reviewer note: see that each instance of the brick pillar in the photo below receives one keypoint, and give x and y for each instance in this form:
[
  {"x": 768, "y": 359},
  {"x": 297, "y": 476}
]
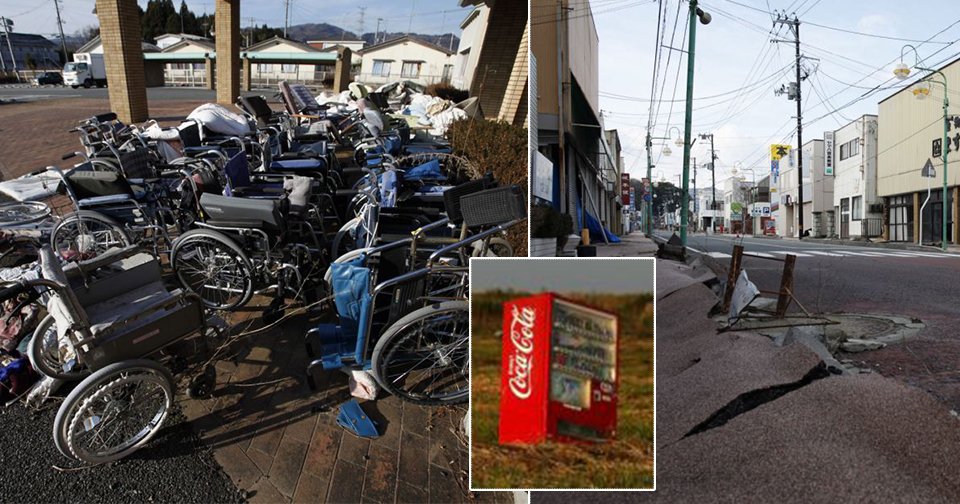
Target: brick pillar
[
  {"x": 245, "y": 81},
  {"x": 505, "y": 29},
  {"x": 341, "y": 70},
  {"x": 123, "y": 58},
  {"x": 228, "y": 51},
  {"x": 916, "y": 217},
  {"x": 514, "y": 106},
  {"x": 208, "y": 65}
]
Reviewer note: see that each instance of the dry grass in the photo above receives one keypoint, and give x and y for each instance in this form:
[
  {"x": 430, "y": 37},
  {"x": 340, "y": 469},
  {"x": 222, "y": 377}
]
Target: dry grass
[{"x": 626, "y": 462}]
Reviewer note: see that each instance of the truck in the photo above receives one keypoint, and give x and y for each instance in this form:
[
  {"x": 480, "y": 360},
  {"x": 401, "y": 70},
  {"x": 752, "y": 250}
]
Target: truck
[{"x": 85, "y": 70}]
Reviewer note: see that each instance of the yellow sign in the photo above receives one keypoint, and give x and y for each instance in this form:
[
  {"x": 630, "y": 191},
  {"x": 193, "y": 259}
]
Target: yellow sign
[{"x": 778, "y": 151}]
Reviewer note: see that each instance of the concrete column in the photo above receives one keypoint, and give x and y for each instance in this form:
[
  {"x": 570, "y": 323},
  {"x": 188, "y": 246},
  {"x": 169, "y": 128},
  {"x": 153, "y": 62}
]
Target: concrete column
[
  {"x": 916, "y": 216},
  {"x": 228, "y": 50},
  {"x": 341, "y": 70},
  {"x": 245, "y": 81},
  {"x": 208, "y": 65},
  {"x": 123, "y": 58}
]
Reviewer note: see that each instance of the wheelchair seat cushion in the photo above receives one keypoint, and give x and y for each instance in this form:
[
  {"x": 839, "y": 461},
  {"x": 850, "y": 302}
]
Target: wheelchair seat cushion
[
  {"x": 297, "y": 164},
  {"x": 120, "y": 308},
  {"x": 257, "y": 213}
]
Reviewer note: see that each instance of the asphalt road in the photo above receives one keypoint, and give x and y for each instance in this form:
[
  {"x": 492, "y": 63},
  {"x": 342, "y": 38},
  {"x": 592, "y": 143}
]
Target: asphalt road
[{"x": 30, "y": 93}]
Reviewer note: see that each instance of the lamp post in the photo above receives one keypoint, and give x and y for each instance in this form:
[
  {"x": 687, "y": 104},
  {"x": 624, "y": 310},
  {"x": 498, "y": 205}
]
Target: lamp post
[
  {"x": 666, "y": 152},
  {"x": 695, "y": 12},
  {"x": 902, "y": 71}
]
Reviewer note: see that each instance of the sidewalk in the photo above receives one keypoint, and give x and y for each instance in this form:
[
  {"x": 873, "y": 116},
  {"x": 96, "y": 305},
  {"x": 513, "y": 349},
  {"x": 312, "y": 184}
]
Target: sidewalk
[{"x": 635, "y": 244}]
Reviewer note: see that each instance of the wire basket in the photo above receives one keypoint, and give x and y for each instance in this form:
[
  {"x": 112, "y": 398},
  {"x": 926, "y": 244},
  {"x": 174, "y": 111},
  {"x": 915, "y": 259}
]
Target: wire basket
[{"x": 492, "y": 207}]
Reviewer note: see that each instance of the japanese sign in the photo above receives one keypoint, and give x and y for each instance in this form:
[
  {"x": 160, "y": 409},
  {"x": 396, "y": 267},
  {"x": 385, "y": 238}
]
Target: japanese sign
[
  {"x": 953, "y": 138},
  {"x": 828, "y": 153},
  {"x": 625, "y": 188},
  {"x": 633, "y": 199},
  {"x": 777, "y": 152}
]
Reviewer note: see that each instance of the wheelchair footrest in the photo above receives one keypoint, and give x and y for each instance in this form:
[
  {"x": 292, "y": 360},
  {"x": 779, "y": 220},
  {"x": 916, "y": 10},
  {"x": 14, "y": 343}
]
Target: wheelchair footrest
[{"x": 333, "y": 344}]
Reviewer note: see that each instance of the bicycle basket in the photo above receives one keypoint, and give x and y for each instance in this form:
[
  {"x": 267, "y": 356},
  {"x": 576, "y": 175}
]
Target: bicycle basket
[
  {"x": 492, "y": 207},
  {"x": 452, "y": 196}
]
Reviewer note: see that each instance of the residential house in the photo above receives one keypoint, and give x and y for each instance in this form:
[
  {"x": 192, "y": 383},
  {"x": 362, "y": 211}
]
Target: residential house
[
  {"x": 32, "y": 52},
  {"x": 472, "y": 32},
  {"x": 187, "y": 73},
  {"x": 269, "y": 73},
  {"x": 332, "y": 45},
  {"x": 569, "y": 129},
  {"x": 405, "y": 58},
  {"x": 910, "y": 135},
  {"x": 855, "y": 200},
  {"x": 95, "y": 46},
  {"x": 706, "y": 213},
  {"x": 168, "y": 39}
]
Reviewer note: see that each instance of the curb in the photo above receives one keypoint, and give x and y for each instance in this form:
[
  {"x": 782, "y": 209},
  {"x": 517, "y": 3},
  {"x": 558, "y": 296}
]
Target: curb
[{"x": 887, "y": 245}]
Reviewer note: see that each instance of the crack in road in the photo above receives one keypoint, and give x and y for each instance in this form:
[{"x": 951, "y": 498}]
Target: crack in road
[{"x": 755, "y": 398}]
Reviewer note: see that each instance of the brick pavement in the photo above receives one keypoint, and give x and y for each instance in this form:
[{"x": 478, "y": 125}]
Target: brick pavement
[{"x": 279, "y": 441}]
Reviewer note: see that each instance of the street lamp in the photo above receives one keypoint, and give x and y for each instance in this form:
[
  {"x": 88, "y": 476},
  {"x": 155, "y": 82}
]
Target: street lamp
[
  {"x": 695, "y": 13},
  {"x": 666, "y": 152},
  {"x": 921, "y": 90}
]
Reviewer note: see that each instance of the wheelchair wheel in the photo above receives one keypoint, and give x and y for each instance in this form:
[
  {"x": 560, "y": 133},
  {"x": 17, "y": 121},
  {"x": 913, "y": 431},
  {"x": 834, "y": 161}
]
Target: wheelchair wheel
[
  {"x": 21, "y": 213},
  {"x": 44, "y": 353},
  {"x": 423, "y": 357},
  {"x": 114, "y": 412},
  {"x": 213, "y": 267},
  {"x": 85, "y": 234},
  {"x": 498, "y": 247}
]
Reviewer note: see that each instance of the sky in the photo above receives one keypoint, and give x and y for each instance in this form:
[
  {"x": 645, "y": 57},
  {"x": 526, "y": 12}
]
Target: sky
[
  {"x": 615, "y": 276},
  {"x": 430, "y": 16},
  {"x": 734, "y": 51}
]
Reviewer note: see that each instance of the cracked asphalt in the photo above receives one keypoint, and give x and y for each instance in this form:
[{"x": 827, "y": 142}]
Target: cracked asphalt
[{"x": 854, "y": 437}]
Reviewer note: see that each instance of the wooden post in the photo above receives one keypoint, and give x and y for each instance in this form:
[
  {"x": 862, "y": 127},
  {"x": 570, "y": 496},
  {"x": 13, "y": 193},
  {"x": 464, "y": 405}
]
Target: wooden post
[
  {"x": 786, "y": 285},
  {"x": 732, "y": 276}
]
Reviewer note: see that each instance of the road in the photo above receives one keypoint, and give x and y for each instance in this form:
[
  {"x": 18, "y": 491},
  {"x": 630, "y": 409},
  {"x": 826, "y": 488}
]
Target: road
[
  {"x": 30, "y": 93},
  {"x": 855, "y": 279}
]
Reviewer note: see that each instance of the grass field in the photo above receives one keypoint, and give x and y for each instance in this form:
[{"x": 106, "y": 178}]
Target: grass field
[{"x": 626, "y": 462}]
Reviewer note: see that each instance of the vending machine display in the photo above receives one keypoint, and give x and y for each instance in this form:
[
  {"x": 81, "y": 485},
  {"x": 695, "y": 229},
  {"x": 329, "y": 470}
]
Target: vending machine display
[{"x": 559, "y": 377}]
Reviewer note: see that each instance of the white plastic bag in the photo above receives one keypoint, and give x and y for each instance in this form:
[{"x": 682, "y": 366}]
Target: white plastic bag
[{"x": 363, "y": 385}]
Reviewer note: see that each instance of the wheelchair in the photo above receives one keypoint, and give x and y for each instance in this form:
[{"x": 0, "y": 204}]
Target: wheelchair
[{"x": 114, "y": 317}]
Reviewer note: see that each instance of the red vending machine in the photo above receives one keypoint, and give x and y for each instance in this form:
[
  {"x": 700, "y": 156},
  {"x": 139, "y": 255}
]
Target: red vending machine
[{"x": 560, "y": 371}]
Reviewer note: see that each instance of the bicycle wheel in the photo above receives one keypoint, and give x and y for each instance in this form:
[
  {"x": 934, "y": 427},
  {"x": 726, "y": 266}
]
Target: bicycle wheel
[
  {"x": 423, "y": 357},
  {"x": 213, "y": 267},
  {"x": 44, "y": 353},
  {"x": 22, "y": 213},
  {"x": 85, "y": 234},
  {"x": 114, "y": 412}
]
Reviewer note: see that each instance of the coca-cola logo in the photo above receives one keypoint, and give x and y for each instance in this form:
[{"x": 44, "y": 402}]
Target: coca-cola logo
[{"x": 521, "y": 335}]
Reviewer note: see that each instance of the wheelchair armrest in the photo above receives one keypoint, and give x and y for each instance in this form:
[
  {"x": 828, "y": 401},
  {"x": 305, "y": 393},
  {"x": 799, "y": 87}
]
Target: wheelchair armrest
[{"x": 109, "y": 257}]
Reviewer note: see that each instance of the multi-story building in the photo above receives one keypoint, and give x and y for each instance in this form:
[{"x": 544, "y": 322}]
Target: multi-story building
[
  {"x": 706, "y": 213},
  {"x": 32, "y": 52},
  {"x": 405, "y": 58},
  {"x": 821, "y": 157},
  {"x": 909, "y": 135},
  {"x": 857, "y": 208},
  {"x": 790, "y": 206},
  {"x": 569, "y": 129}
]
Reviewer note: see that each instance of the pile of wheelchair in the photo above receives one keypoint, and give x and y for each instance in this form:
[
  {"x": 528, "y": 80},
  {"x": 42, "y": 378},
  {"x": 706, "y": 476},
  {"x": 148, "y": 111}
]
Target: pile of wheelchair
[{"x": 315, "y": 205}]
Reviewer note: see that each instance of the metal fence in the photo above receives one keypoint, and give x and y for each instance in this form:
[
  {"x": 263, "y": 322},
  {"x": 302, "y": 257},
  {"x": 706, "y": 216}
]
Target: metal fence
[{"x": 872, "y": 227}]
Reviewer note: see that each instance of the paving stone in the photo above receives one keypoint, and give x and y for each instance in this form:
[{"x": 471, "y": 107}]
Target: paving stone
[
  {"x": 443, "y": 486},
  {"x": 301, "y": 426},
  {"x": 413, "y": 458},
  {"x": 311, "y": 489},
  {"x": 415, "y": 418},
  {"x": 287, "y": 465},
  {"x": 237, "y": 465},
  {"x": 322, "y": 452},
  {"x": 347, "y": 483},
  {"x": 353, "y": 449},
  {"x": 409, "y": 494},
  {"x": 263, "y": 461},
  {"x": 263, "y": 491},
  {"x": 267, "y": 438},
  {"x": 381, "y": 479}
]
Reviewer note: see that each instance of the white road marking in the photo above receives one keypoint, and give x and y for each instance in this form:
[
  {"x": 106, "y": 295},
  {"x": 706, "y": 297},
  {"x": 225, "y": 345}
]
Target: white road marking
[
  {"x": 792, "y": 252},
  {"x": 758, "y": 254},
  {"x": 719, "y": 255},
  {"x": 818, "y": 252}
]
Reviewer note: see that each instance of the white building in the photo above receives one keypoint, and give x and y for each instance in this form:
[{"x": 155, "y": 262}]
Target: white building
[
  {"x": 789, "y": 207},
  {"x": 472, "y": 32},
  {"x": 330, "y": 45},
  {"x": 705, "y": 212},
  {"x": 168, "y": 39},
  {"x": 95, "y": 46},
  {"x": 187, "y": 73},
  {"x": 856, "y": 205},
  {"x": 405, "y": 58},
  {"x": 271, "y": 73}
]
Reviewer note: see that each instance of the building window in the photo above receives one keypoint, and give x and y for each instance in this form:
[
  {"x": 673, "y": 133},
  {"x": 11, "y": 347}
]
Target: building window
[
  {"x": 856, "y": 212},
  {"x": 285, "y": 68},
  {"x": 849, "y": 149},
  {"x": 381, "y": 68},
  {"x": 410, "y": 70},
  {"x": 266, "y": 67}
]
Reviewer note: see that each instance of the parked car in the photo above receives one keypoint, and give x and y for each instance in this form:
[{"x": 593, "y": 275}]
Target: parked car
[{"x": 48, "y": 78}]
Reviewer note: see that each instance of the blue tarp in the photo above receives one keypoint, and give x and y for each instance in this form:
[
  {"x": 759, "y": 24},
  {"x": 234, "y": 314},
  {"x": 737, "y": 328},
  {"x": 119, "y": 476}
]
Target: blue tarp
[
  {"x": 597, "y": 231},
  {"x": 427, "y": 171}
]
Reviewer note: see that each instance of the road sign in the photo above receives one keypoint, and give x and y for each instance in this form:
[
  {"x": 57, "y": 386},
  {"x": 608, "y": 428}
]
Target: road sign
[
  {"x": 928, "y": 170},
  {"x": 647, "y": 197}
]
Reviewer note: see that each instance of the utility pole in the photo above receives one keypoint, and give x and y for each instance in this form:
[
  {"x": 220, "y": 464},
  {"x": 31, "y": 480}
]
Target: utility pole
[
  {"x": 286, "y": 17},
  {"x": 413, "y": 7},
  {"x": 696, "y": 200},
  {"x": 363, "y": 12},
  {"x": 376, "y": 36},
  {"x": 713, "y": 176},
  {"x": 6, "y": 30},
  {"x": 795, "y": 24},
  {"x": 695, "y": 12},
  {"x": 63, "y": 42}
]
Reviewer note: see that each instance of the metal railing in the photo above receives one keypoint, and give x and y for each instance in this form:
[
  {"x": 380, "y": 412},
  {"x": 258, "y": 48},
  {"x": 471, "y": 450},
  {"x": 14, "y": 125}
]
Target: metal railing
[{"x": 872, "y": 227}]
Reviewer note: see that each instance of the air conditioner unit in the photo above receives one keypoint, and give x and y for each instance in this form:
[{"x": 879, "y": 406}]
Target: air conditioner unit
[{"x": 876, "y": 208}]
